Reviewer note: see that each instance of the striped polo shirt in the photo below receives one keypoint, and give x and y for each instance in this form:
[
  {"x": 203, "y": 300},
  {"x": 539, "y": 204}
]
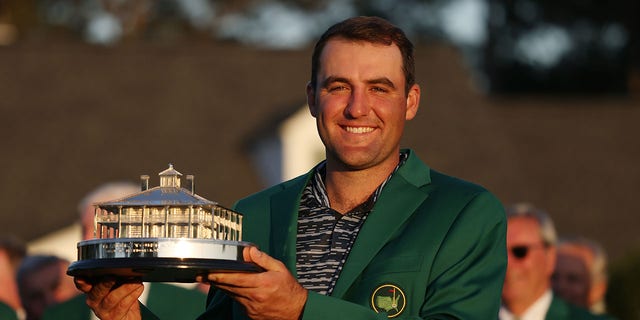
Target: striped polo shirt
[{"x": 325, "y": 236}]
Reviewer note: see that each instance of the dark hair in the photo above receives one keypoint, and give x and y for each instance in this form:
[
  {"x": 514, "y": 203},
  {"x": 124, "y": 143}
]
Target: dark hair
[
  {"x": 31, "y": 264},
  {"x": 368, "y": 29}
]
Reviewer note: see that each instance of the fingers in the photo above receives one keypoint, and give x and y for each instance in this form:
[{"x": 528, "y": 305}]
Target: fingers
[
  {"x": 100, "y": 290},
  {"x": 82, "y": 284},
  {"x": 120, "y": 304},
  {"x": 246, "y": 280},
  {"x": 109, "y": 301},
  {"x": 246, "y": 255},
  {"x": 265, "y": 295},
  {"x": 229, "y": 281},
  {"x": 263, "y": 260}
]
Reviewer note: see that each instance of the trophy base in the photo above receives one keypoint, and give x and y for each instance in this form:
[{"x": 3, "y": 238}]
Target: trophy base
[{"x": 158, "y": 259}]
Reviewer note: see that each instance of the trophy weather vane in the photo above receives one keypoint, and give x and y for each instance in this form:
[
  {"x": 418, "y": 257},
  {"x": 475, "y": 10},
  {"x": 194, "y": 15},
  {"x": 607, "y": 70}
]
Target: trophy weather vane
[{"x": 163, "y": 234}]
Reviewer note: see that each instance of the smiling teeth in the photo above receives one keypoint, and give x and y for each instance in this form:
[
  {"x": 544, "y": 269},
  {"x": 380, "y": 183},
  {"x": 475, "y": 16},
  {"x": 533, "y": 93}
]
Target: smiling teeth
[{"x": 359, "y": 129}]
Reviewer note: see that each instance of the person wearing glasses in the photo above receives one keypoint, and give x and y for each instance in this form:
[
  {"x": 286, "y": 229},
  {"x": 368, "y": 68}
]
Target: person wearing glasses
[{"x": 531, "y": 252}]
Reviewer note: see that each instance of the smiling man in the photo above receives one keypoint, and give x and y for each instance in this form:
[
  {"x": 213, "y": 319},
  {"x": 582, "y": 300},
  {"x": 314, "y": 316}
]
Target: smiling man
[{"x": 371, "y": 232}]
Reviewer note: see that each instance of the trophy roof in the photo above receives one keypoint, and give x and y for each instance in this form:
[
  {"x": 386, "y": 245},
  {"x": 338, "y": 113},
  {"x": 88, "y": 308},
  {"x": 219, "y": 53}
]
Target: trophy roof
[{"x": 160, "y": 196}]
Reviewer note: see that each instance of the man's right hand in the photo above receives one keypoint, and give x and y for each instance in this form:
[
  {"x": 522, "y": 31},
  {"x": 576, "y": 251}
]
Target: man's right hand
[{"x": 109, "y": 302}]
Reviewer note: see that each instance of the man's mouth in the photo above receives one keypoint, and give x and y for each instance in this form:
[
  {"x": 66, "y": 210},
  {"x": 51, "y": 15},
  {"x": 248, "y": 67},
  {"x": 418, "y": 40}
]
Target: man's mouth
[{"x": 359, "y": 129}]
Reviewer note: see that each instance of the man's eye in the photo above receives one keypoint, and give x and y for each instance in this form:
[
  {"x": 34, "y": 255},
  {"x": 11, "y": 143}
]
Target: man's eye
[
  {"x": 337, "y": 88},
  {"x": 378, "y": 89}
]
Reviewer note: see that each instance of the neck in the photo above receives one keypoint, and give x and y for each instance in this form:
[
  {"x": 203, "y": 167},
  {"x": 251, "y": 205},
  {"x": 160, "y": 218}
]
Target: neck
[
  {"x": 347, "y": 189},
  {"x": 519, "y": 306}
]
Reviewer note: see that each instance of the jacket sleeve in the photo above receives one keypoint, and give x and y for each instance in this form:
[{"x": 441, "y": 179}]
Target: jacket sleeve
[
  {"x": 146, "y": 314},
  {"x": 219, "y": 306}
]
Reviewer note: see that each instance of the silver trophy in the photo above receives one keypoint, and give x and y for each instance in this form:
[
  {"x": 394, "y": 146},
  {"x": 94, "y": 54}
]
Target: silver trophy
[{"x": 163, "y": 234}]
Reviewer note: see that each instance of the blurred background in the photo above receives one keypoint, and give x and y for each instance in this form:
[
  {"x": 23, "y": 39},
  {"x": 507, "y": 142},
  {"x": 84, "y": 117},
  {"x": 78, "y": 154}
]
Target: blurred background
[{"x": 539, "y": 101}]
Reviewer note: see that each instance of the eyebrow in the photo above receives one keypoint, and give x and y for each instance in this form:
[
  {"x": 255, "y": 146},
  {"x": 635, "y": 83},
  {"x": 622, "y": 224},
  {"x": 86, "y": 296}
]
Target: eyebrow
[
  {"x": 333, "y": 79},
  {"x": 383, "y": 80}
]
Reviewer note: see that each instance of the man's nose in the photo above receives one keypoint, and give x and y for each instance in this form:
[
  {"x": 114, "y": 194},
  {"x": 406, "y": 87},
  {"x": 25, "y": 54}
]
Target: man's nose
[{"x": 359, "y": 104}]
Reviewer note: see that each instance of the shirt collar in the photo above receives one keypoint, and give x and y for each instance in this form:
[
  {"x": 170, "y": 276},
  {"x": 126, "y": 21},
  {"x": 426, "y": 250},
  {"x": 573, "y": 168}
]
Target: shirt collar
[
  {"x": 319, "y": 190},
  {"x": 537, "y": 311}
]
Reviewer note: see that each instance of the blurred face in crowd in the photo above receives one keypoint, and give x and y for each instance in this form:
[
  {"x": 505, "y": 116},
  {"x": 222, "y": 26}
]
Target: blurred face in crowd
[
  {"x": 530, "y": 264},
  {"x": 87, "y": 223},
  {"x": 48, "y": 285},
  {"x": 571, "y": 279},
  {"x": 577, "y": 279},
  {"x": 360, "y": 103}
]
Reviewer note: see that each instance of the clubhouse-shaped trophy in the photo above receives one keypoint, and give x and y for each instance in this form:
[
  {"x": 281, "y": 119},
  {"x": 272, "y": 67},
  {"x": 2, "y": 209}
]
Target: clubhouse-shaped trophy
[{"x": 163, "y": 234}]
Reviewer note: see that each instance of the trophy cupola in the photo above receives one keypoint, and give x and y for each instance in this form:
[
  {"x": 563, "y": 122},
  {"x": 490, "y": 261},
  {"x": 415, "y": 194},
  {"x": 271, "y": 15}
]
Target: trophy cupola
[{"x": 170, "y": 177}]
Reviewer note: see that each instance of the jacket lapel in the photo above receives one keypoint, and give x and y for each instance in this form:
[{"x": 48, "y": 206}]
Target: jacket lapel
[{"x": 398, "y": 201}]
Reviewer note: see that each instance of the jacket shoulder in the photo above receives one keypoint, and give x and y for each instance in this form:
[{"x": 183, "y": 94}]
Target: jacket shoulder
[
  {"x": 458, "y": 192},
  {"x": 561, "y": 309},
  {"x": 262, "y": 197},
  {"x": 452, "y": 184}
]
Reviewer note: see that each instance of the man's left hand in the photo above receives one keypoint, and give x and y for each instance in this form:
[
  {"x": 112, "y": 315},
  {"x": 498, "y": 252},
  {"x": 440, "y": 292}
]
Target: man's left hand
[{"x": 272, "y": 294}]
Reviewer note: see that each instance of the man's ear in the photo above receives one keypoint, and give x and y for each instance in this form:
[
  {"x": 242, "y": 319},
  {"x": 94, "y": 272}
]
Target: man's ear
[
  {"x": 413, "y": 102},
  {"x": 597, "y": 291},
  {"x": 311, "y": 99},
  {"x": 551, "y": 260}
]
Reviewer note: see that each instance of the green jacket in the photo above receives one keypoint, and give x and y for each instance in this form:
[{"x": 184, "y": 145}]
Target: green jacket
[
  {"x": 167, "y": 301},
  {"x": 561, "y": 310},
  {"x": 6, "y": 313},
  {"x": 437, "y": 241}
]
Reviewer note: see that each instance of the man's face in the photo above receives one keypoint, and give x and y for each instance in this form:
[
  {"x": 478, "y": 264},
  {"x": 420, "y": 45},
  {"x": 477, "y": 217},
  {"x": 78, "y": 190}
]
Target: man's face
[
  {"x": 47, "y": 286},
  {"x": 571, "y": 279},
  {"x": 39, "y": 289},
  {"x": 360, "y": 104},
  {"x": 530, "y": 262}
]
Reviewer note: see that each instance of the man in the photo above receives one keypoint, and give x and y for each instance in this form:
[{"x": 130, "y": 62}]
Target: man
[
  {"x": 42, "y": 282},
  {"x": 12, "y": 251},
  {"x": 580, "y": 275},
  {"x": 531, "y": 247},
  {"x": 168, "y": 301},
  {"x": 371, "y": 232}
]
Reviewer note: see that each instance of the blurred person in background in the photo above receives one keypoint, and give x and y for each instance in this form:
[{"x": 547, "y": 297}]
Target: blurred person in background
[
  {"x": 105, "y": 192},
  {"x": 42, "y": 281},
  {"x": 12, "y": 251},
  {"x": 531, "y": 250},
  {"x": 169, "y": 301},
  {"x": 580, "y": 276}
]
